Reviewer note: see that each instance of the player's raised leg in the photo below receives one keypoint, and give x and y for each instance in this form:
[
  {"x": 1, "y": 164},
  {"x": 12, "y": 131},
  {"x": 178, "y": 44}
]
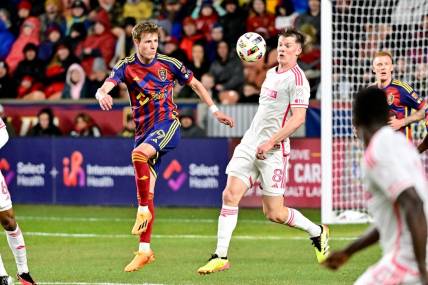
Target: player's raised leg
[
  {"x": 16, "y": 243},
  {"x": 227, "y": 221},
  {"x": 145, "y": 254},
  {"x": 275, "y": 211}
]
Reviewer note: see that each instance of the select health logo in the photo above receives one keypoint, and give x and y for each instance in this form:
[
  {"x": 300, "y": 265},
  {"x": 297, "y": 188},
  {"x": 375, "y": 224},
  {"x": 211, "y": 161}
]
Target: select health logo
[
  {"x": 8, "y": 173},
  {"x": 175, "y": 183},
  {"x": 73, "y": 173}
]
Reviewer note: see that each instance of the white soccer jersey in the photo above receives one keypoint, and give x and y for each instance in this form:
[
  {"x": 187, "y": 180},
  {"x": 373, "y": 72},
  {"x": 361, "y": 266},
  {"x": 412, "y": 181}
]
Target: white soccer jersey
[
  {"x": 5, "y": 202},
  {"x": 392, "y": 164},
  {"x": 280, "y": 92}
]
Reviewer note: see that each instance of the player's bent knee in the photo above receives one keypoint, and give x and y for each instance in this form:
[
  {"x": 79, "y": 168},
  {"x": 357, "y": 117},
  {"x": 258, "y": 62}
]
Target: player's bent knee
[
  {"x": 8, "y": 223},
  {"x": 231, "y": 198}
]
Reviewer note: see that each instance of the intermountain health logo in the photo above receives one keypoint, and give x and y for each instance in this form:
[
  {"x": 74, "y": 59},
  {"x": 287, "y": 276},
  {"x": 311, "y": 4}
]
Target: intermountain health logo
[
  {"x": 73, "y": 173},
  {"x": 7, "y": 172},
  {"x": 175, "y": 183}
]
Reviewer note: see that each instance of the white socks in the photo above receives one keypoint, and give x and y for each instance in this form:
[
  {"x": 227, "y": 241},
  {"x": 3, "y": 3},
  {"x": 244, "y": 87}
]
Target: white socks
[
  {"x": 144, "y": 246},
  {"x": 2, "y": 269},
  {"x": 226, "y": 225},
  {"x": 297, "y": 220},
  {"x": 17, "y": 245}
]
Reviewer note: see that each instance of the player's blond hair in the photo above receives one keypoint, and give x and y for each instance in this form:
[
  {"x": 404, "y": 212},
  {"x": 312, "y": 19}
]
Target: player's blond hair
[
  {"x": 144, "y": 27},
  {"x": 383, "y": 53}
]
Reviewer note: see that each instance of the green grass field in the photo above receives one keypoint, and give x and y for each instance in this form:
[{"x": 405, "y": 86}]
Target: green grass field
[{"x": 91, "y": 245}]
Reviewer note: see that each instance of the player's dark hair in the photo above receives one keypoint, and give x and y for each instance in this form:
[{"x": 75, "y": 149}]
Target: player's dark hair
[
  {"x": 146, "y": 27},
  {"x": 370, "y": 107},
  {"x": 291, "y": 32}
]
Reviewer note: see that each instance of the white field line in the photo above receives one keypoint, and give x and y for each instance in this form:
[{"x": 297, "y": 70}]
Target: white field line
[
  {"x": 92, "y": 219},
  {"x": 90, "y": 283},
  {"x": 162, "y": 236}
]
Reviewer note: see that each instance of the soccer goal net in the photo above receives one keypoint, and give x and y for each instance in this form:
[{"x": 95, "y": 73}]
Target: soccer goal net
[{"x": 351, "y": 32}]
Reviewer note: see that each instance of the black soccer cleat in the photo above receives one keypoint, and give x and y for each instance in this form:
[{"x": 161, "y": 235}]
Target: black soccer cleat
[
  {"x": 6, "y": 280},
  {"x": 25, "y": 279}
]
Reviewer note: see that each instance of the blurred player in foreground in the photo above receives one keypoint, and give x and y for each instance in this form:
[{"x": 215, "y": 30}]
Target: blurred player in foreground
[
  {"x": 398, "y": 201},
  {"x": 263, "y": 154},
  {"x": 400, "y": 96},
  {"x": 150, "y": 78},
  {"x": 14, "y": 235}
]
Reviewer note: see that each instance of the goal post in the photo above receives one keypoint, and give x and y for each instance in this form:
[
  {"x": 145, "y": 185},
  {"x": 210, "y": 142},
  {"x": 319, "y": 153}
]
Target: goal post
[{"x": 351, "y": 32}]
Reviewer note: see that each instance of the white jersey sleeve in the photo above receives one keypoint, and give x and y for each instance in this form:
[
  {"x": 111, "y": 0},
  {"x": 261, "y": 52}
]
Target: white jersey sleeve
[
  {"x": 299, "y": 91},
  {"x": 4, "y": 136},
  {"x": 392, "y": 173}
]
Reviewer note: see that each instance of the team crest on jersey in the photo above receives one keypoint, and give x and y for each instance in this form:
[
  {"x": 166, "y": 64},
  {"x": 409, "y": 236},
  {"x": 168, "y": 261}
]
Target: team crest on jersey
[
  {"x": 390, "y": 98},
  {"x": 162, "y": 74}
]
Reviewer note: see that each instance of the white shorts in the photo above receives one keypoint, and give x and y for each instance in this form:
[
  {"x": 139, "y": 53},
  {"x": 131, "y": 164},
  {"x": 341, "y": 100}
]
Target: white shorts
[
  {"x": 271, "y": 172},
  {"x": 5, "y": 201},
  {"x": 388, "y": 271}
]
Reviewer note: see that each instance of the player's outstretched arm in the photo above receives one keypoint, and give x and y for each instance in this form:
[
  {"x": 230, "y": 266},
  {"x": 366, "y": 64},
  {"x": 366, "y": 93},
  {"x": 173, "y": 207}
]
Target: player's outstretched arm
[
  {"x": 397, "y": 124},
  {"x": 338, "y": 258},
  {"x": 413, "y": 209},
  {"x": 104, "y": 99},
  {"x": 200, "y": 90},
  {"x": 297, "y": 119}
]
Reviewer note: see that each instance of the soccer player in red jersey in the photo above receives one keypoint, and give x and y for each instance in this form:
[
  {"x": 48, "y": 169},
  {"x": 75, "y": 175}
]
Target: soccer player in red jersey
[
  {"x": 400, "y": 96},
  {"x": 150, "y": 78}
]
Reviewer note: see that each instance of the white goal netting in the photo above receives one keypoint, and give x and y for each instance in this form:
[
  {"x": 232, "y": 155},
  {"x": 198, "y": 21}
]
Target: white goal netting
[{"x": 358, "y": 30}]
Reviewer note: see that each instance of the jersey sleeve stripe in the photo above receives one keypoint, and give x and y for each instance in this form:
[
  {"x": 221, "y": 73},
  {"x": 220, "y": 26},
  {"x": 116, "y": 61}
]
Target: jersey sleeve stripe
[
  {"x": 174, "y": 61},
  {"x": 404, "y": 85},
  {"x": 297, "y": 76}
]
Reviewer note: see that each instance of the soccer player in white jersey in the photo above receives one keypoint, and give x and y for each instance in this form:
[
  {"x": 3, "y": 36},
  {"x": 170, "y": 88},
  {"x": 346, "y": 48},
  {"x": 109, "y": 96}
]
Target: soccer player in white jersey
[
  {"x": 13, "y": 232},
  {"x": 263, "y": 154},
  {"x": 398, "y": 198}
]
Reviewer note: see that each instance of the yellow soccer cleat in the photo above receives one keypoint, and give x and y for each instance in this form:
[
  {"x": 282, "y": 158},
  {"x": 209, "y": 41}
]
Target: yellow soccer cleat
[
  {"x": 320, "y": 244},
  {"x": 140, "y": 260},
  {"x": 141, "y": 222},
  {"x": 215, "y": 264}
]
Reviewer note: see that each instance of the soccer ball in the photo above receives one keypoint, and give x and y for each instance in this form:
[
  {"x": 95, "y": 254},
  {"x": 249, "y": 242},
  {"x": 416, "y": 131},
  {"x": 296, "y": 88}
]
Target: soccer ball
[{"x": 251, "y": 47}]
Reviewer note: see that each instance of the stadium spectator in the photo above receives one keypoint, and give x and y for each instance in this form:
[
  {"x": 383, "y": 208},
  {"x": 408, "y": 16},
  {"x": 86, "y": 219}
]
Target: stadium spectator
[
  {"x": 311, "y": 17},
  {"x": 217, "y": 36},
  {"x": 199, "y": 65},
  {"x": 7, "y": 84},
  {"x": 48, "y": 47},
  {"x": 30, "y": 74},
  {"x": 138, "y": 9},
  {"x": 310, "y": 59},
  {"x": 8, "y": 21},
  {"x": 232, "y": 21},
  {"x": 171, "y": 17},
  {"x": 97, "y": 76},
  {"x": 227, "y": 69},
  {"x": 228, "y": 97},
  {"x": 30, "y": 33},
  {"x": 397, "y": 187},
  {"x": 261, "y": 21},
  {"x": 45, "y": 125},
  {"x": 78, "y": 15},
  {"x": 206, "y": 14},
  {"x": 129, "y": 23},
  {"x": 250, "y": 94},
  {"x": 7, "y": 122},
  {"x": 172, "y": 49},
  {"x": 285, "y": 16},
  {"x": 77, "y": 35},
  {"x": 254, "y": 72},
  {"x": 6, "y": 40},
  {"x": 114, "y": 10},
  {"x": 128, "y": 130},
  {"x": 76, "y": 84},
  {"x": 189, "y": 129},
  {"x": 84, "y": 126},
  {"x": 208, "y": 82},
  {"x": 52, "y": 16},
  {"x": 24, "y": 12},
  {"x": 100, "y": 44},
  {"x": 191, "y": 35}
]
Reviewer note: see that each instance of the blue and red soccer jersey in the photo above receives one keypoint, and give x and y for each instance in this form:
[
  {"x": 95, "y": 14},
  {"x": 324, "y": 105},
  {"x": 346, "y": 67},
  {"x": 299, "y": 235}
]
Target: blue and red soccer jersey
[
  {"x": 150, "y": 88},
  {"x": 401, "y": 100}
]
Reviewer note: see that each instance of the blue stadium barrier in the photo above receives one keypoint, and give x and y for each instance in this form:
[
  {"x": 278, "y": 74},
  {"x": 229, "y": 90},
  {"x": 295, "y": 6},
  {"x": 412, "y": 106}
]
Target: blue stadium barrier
[{"x": 94, "y": 171}]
